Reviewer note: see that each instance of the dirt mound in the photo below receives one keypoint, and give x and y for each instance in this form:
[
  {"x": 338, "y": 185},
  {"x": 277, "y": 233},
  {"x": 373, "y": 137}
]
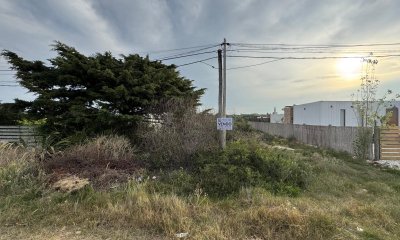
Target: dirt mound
[
  {"x": 104, "y": 161},
  {"x": 101, "y": 174},
  {"x": 70, "y": 184}
]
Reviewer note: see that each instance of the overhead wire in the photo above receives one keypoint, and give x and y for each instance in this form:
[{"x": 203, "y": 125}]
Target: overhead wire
[
  {"x": 315, "y": 52},
  {"x": 312, "y": 58},
  {"x": 315, "y": 45},
  {"x": 190, "y": 63},
  {"x": 178, "y": 49},
  {"x": 253, "y": 65},
  {"x": 182, "y": 56},
  {"x": 209, "y": 65},
  {"x": 185, "y": 53}
]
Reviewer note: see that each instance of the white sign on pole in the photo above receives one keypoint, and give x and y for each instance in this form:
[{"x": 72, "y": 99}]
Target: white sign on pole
[{"x": 224, "y": 123}]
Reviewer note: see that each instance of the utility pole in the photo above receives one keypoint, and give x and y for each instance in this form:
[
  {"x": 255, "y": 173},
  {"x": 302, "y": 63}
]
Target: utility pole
[
  {"x": 223, "y": 115},
  {"x": 220, "y": 97},
  {"x": 222, "y": 122}
]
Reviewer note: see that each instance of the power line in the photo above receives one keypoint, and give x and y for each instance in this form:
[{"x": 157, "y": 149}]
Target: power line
[
  {"x": 314, "y": 58},
  {"x": 314, "y": 51},
  {"x": 188, "y": 55},
  {"x": 253, "y": 65},
  {"x": 196, "y": 62},
  {"x": 9, "y": 85},
  {"x": 189, "y": 52},
  {"x": 209, "y": 65},
  {"x": 315, "y": 45},
  {"x": 178, "y": 49}
]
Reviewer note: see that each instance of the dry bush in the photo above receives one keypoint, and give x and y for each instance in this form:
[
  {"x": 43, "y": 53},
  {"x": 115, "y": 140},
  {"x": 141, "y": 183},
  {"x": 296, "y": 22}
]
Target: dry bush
[
  {"x": 103, "y": 160},
  {"x": 10, "y": 152},
  {"x": 179, "y": 133},
  {"x": 110, "y": 148}
]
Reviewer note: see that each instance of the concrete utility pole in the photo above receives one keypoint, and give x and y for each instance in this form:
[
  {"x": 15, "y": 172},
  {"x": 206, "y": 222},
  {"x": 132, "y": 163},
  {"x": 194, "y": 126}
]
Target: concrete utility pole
[
  {"x": 222, "y": 71},
  {"x": 220, "y": 97},
  {"x": 224, "y": 83},
  {"x": 222, "y": 122}
]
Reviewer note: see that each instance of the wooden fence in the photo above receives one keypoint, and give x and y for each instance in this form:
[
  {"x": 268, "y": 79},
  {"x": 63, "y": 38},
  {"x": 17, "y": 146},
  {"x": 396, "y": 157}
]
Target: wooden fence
[{"x": 21, "y": 134}]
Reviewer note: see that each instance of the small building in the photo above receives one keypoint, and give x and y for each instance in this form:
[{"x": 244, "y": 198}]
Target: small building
[
  {"x": 337, "y": 113},
  {"x": 276, "y": 117}
]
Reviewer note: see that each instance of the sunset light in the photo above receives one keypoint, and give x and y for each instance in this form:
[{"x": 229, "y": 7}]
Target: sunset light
[{"x": 349, "y": 68}]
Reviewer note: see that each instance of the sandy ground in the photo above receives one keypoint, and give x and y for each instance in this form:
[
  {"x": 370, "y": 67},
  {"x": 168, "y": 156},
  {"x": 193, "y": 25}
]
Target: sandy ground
[{"x": 389, "y": 163}]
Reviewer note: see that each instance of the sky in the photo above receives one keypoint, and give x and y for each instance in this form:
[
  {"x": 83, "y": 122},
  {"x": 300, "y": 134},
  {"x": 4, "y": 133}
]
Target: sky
[{"x": 29, "y": 27}]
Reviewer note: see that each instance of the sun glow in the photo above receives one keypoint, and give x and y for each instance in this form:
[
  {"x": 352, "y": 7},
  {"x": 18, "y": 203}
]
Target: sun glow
[{"x": 349, "y": 68}]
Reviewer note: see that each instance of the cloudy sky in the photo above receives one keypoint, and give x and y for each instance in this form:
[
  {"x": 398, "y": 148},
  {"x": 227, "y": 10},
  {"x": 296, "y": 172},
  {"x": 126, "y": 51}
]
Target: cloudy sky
[{"x": 28, "y": 27}]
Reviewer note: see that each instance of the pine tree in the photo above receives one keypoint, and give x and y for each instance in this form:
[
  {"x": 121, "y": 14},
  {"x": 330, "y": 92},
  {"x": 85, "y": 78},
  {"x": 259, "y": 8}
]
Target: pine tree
[{"x": 93, "y": 94}]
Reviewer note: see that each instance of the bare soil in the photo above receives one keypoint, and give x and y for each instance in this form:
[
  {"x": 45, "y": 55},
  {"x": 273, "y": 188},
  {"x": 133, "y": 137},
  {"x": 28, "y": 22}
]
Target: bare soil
[{"x": 101, "y": 173}]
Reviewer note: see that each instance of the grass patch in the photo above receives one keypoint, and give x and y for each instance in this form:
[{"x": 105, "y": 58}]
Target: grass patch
[{"x": 337, "y": 198}]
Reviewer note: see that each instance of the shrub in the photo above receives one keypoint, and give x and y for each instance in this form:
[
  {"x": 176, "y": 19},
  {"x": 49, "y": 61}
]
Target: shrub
[
  {"x": 241, "y": 124},
  {"x": 362, "y": 143},
  {"x": 180, "y": 182},
  {"x": 241, "y": 165},
  {"x": 179, "y": 134},
  {"x": 102, "y": 148},
  {"x": 268, "y": 138}
]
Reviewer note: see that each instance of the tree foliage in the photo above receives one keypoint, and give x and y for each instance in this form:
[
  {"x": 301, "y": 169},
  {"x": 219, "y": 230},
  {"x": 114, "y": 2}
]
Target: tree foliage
[
  {"x": 10, "y": 114},
  {"x": 96, "y": 93},
  {"x": 368, "y": 108}
]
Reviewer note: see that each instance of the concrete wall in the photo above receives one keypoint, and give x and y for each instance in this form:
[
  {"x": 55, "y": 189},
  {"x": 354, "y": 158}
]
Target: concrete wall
[
  {"x": 325, "y": 113},
  {"x": 338, "y": 138}
]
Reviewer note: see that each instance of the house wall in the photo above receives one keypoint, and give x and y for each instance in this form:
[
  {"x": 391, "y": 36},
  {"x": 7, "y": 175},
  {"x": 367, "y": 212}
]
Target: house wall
[
  {"x": 327, "y": 113},
  {"x": 309, "y": 114},
  {"x": 330, "y": 113},
  {"x": 276, "y": 118}
]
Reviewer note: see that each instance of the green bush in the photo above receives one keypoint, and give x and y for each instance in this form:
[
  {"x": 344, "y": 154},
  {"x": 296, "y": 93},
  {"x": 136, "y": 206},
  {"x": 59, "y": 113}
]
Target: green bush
[
  {"x": 180, "y": 182},
  {"x": 362, "y": 143},
  {"x": 268, "y": 138},
  {"x": 242, "y": 165},
  {"x": 241, "y": 124},
  {"x": 219, "y": 180}
]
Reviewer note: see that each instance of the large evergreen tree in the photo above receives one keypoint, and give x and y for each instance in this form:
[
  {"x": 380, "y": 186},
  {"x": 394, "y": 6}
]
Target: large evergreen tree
[
  {"x": 10, "y": 114},
  {"x": 96, "y": 93}
]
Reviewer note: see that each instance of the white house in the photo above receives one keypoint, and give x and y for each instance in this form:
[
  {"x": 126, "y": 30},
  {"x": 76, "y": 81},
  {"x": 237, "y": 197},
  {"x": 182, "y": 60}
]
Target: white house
[
  {"x": 276, "y": 117},
  {"x": 336, "y": 113}
]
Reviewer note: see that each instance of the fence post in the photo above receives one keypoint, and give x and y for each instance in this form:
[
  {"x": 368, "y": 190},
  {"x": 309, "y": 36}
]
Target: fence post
[{"x": 377, "y": 146}]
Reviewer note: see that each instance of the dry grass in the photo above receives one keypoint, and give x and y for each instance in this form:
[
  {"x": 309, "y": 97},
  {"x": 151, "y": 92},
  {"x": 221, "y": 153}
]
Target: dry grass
[
  {"x": 181, "y": 133},
  {"x": 111, "y": 148},
  {"x": 104, "y": 160},
  {"x": 345, "y": 200},
  {"x": 12, "y": 153}
]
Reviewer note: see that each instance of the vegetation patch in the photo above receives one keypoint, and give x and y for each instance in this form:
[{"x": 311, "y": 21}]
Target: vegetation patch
[
  {"x": 250, "y": 190},
  {"x": 104, "y": 160}
]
